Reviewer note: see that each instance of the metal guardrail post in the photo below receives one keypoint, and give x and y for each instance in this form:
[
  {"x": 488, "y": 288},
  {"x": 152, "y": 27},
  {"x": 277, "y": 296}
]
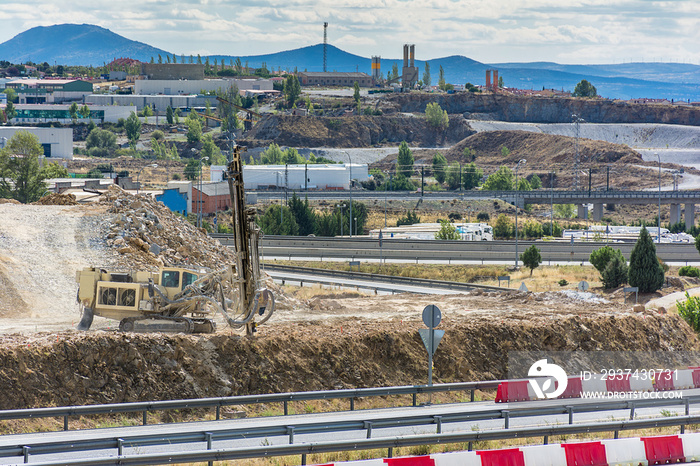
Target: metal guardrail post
[
  {"x": 570, "y": 410},
  {"x": 390, "y": 452},
  {"x": 414, "y": 399},
  {"x": 290, "y": 432},
  {"x": 631, "y": 411},
  {"x": 545, "y": 440},
  {"x": 368, "y": 426},
  {"x": 145, "y": 417},
  {"x": 303, "y": 459},
  {"x": 65, "y": 422},
  {"x": 120, "y": 447},
  {"x": 25, "y": 452},
  {"x": 438, "y": 421},
  {"x": 209, "y": 436},
  {"x": 286, "y": 408},
  {"x": 352, "y": 404},
  {"x": 218, "y": 412},
  {"x": 506, "y": 416}
]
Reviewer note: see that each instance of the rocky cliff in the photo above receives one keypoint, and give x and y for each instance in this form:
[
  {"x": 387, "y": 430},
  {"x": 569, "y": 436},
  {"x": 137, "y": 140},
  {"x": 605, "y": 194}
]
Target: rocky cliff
[{"x": 506, "y": 107}]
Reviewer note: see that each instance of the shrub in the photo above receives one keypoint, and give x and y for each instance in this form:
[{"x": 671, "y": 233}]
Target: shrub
[
  {"x": 602, "y": 256},
  {"x": 615, "y": 272},
  {"x": 690, "y": 311},
  {"x": 563, "y": 282},
  {"x": 409, "y": 219},
  {"x": 483, "y": 217},
  {"x": 689, "y": 271}
]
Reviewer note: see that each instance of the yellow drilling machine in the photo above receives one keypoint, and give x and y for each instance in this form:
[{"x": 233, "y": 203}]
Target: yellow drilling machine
[{"x": 179, "y": 299}]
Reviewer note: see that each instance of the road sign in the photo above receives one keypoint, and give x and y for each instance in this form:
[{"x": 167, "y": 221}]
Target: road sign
[
  {"x": 425, "y": 336},
  {"x": 432, "y": 316},
  {"x": 523, "y": 287},
  {"x": 583, "y": 285}
]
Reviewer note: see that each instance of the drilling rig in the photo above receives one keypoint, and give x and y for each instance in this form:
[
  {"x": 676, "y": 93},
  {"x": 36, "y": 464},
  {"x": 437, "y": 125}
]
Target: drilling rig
[{"x": 180, "y": 299}]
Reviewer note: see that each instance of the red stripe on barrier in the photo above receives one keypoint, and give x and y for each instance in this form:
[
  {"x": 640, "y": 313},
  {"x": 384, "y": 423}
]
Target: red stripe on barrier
[
  {"x": 664, "y": 381},
  {"x": 411, "y": 461},
  {"x": 618, "y": 383},
  {"x": 512, "y": 391},
  {"x": 696, "y": 377},
  {"x": 574, "y": 388},
  {"x": 510, "y": 457},
  {"x": 588, "y": 454},
  {"x": 664, "y": 450}
]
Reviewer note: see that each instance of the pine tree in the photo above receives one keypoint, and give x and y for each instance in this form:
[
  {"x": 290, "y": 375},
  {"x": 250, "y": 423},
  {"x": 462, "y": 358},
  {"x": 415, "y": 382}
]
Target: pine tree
[
  {"x": 645, "y": 272},
  {"x": 531, "y": 258}
]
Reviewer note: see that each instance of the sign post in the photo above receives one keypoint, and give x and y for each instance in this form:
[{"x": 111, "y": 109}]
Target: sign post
[{"x": 431, "y": 337}]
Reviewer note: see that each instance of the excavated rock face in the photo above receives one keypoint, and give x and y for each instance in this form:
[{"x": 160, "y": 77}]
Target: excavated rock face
[
  {"x": 512, "y": 108},
  {"x": 148, "y": 234},
  {"x": 353, "y": 131}
]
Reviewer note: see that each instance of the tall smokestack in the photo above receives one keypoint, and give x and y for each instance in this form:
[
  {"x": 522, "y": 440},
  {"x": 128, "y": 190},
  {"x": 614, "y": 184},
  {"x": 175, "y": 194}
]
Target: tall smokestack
[
  {"x": 405, "y": 55},
  {"x": 488, "y": 79},
  {"x": 413, "y": 55}
]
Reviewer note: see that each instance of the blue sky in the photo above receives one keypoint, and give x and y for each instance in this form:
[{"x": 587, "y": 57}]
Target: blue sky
[{"x": 490, "y": 31}]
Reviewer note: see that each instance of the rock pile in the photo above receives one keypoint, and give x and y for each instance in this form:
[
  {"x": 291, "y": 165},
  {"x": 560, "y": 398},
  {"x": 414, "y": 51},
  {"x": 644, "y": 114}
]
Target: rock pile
[
  {"x": 149, "y": 235},
  {"x": 58, "y": 199}
]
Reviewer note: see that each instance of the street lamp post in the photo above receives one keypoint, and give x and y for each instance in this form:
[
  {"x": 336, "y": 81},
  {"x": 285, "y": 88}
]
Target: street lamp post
[
  {"x": 199, "y": 200},
  {"x": 138, "y": 175},
  {"x": 355, "y": 226},
  {"x": 521, "y": 161},
  {"x": 350, "y": 213},
  {"x": 658, "y": 223}
]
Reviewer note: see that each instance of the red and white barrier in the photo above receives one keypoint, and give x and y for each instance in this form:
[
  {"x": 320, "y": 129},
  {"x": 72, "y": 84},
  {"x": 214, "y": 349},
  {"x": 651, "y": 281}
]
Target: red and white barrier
[
  {"x": 669, "y": 449},
  {"x": 520, "y": 390}
]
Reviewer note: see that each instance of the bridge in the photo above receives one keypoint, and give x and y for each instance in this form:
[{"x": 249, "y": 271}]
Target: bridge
[{"x": 520, "y": 198}]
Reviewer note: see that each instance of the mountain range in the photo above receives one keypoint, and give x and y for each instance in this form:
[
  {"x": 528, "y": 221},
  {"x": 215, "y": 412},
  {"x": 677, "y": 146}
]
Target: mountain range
[{"x": 90, "y": 45}]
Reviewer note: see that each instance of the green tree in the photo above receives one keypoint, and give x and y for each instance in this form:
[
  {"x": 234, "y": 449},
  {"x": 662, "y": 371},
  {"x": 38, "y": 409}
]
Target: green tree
[
  {"x": 524, "y": 185},
  {"x": 270, "y": 222},
  {"x": 53, "y": 170},
  {"x": 615, "y": 273},
  {"x": 645, "y": 271},
  {"x": 303, "y": 215},
  {"x": 500, "y": 82},
  {"x": 505, "y": 152},
  {"x": 101, "y": 143},
  {"x": 194, "y": 128},
  {"x": 132, "y": 126},
  {"x": 356, "y": 92},
  {"x": 192, "y": 169},
  {"x": 585, "y": 89},
  {"x": 210, "y": 149},
  {"x": 471, "y": 178},
  {"x": 447, "y": 231},
  {"x": 503, "y": 227},
  {"x": 410, "y": 218},
  {"x": 564, "y": 210},
  {"x": 535, "y": 182},
  {"x": 404, "y": 162},
  {"x": 73, "y": 111},
  {"x": 531, "y": 258},
  {"x": 439, "y": 167},
  {"x": 441, "y": 79},
  {"x": 273, "y": 155},
  {"x": 292, "y": 90},
  {"x": 20, "y": 175},
  {"x": 10, "y": 111},
  {"x": 469, "y": 154},
  {"x": 11, "y": 95},
  {"x": 169, "y": 115},
  {"x": 394, "y": 71},
  {"x": 453, "y": 176},
  {"x": 501, "y": 180},
  {"x": 600, "y": 257},
  {"x": 426, "y": 75},
  {"x": 436, "y": 116},
  {"x": 85, "y": 111}
]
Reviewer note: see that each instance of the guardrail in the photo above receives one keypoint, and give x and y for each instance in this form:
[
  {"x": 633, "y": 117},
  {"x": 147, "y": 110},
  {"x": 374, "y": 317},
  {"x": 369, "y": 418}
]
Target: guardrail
[
  {"x": 145, "y": 407},
  {"x": 388, "y": 443},
  {"x": 197, "y": 434},
  {"x": 377, "y": 278}
]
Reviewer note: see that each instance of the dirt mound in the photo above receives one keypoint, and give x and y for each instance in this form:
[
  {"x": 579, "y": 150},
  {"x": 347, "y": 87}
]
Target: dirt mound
[
  {"x": 148, "y": 234},
  {"x": 111, "y": 367},
  {"x": 9, "y": 201},
  {"x": 539, "y": 148},
  {"x": 57, "y": 199},
  {"x": 353, "y": 131}
]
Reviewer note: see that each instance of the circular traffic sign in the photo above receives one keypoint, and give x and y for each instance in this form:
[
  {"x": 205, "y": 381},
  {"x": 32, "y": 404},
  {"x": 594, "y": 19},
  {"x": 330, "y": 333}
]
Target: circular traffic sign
[{"x": 432, "y": 316}]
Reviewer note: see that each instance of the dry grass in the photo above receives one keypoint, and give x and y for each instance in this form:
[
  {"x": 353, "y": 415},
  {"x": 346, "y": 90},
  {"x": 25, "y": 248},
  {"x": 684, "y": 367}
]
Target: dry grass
[{"x": 544, "y": 278}]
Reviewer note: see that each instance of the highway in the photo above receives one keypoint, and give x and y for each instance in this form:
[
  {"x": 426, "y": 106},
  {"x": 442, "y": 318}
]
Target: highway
[
  {"x": 470, "y": 418},
  {"x": 457, "y": 252}
]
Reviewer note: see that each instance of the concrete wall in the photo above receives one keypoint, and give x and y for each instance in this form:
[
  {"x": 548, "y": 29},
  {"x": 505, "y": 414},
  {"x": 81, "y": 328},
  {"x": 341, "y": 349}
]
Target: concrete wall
[{"x": 60, "y": 140}]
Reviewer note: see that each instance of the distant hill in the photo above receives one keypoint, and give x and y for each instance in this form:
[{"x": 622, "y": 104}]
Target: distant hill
[
  {"x": 74, "y": 44},
  {"x": 84, "y": 44}
]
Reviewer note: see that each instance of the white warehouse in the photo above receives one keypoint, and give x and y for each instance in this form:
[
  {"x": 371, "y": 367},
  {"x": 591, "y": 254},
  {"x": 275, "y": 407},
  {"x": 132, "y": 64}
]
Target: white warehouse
[
  {"x": 299, "y": 177},
  {"x": 57, "y": 142}
]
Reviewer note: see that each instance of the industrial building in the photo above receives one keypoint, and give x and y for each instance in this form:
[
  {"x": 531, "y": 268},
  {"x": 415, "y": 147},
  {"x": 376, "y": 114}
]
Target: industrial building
[
  {"x": 189, "y": 87},
  {"x": 307, "y": 78},
  {"x": 173, "y": 71},
  {"x": 300, "y": 177},
  {"x": 61, "y": 113},
  {"x": 409, "y": 73},
  {"x": 49, "y": 91},
  {"x": 57, "y": 142}
]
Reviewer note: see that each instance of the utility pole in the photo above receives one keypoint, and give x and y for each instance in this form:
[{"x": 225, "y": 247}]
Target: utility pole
[
  {"x": 325, "y": 46},
  {"x": 422, "y": 180}
]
